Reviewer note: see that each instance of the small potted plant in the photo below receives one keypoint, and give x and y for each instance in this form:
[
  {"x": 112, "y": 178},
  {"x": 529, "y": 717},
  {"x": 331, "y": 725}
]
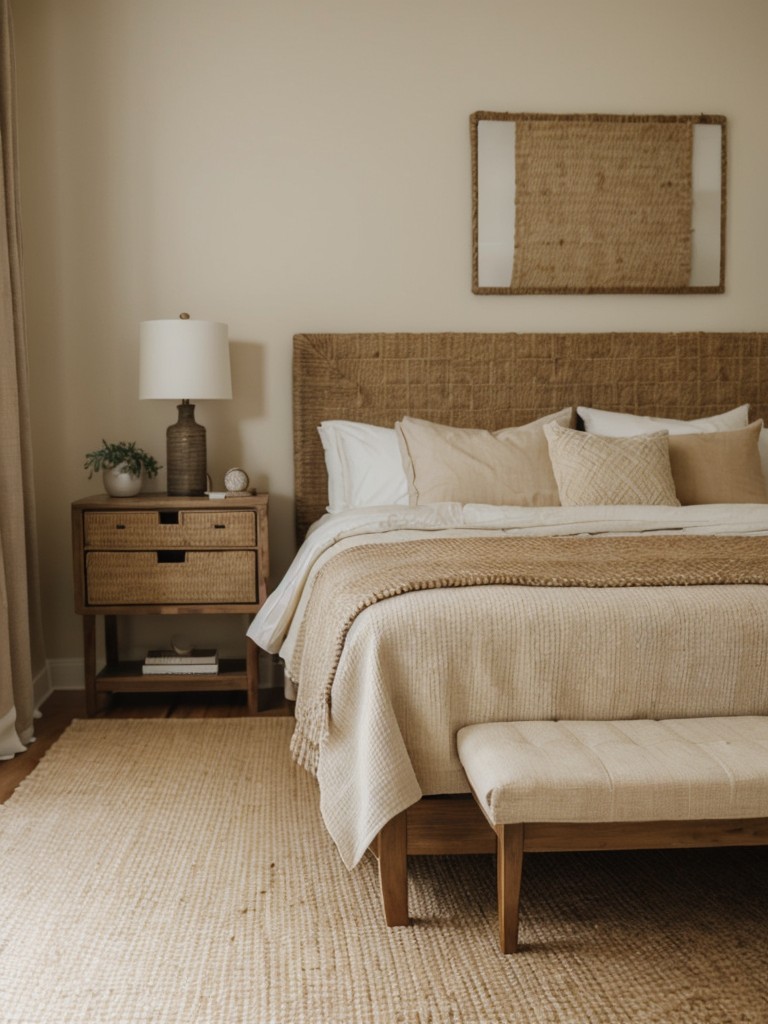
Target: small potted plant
[{"x": 123, "y": 467}]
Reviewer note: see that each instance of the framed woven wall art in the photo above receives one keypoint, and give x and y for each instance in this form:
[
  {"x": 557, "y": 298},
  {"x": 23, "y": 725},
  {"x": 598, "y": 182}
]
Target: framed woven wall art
[{"x": 584, "y": 203}]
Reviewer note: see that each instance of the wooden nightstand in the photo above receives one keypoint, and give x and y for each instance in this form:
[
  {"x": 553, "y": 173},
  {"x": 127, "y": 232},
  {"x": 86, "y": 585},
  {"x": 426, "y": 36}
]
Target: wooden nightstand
[{"x": 156, "y": 555}]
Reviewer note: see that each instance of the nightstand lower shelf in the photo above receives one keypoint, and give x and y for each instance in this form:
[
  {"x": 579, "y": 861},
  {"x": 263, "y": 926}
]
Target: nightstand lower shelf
[
  {"x": 127, "y": 677},
  {"x": 124, "y": 676}
]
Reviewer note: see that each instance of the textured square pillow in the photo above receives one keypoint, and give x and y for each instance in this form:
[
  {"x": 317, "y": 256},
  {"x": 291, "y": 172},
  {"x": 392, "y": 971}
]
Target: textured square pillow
[
  {"x": 594, "y": 470},
  {"x": 506, "y": 467},
  {"x": 722, "y": 467},
  {"x": 363, "y": 465},
  {"x": 624, "y": 424}
]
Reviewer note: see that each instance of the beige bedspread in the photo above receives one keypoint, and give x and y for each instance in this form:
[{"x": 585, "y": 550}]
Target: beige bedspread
[
  {"x": 359, "y": 577},
  {"x": 434, "y": 634}
]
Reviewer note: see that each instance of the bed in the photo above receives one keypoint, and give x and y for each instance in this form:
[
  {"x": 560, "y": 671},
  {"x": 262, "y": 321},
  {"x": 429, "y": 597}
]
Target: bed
[{"x": 402, "y": 623}]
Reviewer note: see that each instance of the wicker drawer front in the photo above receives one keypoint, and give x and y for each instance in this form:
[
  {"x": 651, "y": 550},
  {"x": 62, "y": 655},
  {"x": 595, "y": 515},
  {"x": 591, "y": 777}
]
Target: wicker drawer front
[
  {"x": 214, "y": 529},
  {"x": 146, "y": 577}
]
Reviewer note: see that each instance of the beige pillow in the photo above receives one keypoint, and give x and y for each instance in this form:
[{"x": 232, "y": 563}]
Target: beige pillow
[
  {"x": 508, "y": 467},
  {"x": 595, "y": 470},
  {"x": 718, "y": 468}
]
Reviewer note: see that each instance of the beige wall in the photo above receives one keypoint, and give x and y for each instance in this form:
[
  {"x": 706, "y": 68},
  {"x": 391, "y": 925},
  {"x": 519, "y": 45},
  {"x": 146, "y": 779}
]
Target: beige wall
[{"x": 303, "y": 165}]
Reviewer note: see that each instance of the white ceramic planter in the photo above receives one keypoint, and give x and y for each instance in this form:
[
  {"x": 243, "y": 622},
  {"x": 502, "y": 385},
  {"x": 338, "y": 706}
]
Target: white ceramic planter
[{"x": 119, "y": 482}]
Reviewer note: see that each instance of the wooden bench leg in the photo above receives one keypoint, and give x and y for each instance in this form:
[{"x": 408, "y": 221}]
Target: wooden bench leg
[
  {"x": 509, "y": 875},
  {"x": 393, "y": 870}
]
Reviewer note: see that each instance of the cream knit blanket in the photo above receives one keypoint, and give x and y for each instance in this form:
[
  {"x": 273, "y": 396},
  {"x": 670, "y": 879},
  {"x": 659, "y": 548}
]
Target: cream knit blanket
[{"x": 359, "y": 577}]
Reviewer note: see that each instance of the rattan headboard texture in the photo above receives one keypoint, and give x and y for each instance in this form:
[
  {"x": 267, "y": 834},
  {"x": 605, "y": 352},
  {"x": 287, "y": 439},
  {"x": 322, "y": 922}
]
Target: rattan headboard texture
[{"x": 501, "y": 380}]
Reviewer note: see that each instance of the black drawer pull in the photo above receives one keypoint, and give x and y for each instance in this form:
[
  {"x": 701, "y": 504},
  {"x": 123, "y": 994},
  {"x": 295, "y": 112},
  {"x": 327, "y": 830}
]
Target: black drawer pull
[
  {"x": 171, "y": 556},
  {"x": 219, "y": 526},
  {"x": 120, "y": 526}
]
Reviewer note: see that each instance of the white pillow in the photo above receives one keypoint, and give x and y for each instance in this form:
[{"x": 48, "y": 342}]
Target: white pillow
[
  {"x": 624, "y": 424},
  {"x": 364, "y": 465}
]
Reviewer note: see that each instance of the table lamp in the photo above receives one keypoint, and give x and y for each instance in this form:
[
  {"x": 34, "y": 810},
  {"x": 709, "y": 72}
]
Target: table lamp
[{"x": 189, "y": 358}]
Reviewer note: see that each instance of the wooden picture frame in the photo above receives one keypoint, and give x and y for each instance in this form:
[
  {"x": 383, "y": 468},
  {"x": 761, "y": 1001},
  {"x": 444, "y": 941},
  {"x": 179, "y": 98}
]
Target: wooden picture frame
[{"x": 589, "y": 203}]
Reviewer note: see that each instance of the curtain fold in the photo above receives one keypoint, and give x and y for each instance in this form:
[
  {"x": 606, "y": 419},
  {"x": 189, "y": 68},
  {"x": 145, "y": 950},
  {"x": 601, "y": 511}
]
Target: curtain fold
[{"x": 20, "y": 615}]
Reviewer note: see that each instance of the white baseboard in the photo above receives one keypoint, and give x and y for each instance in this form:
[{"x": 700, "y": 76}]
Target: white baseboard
[
  {"x": 42, "y": 685},
  {"x": 67, "y": 673}
]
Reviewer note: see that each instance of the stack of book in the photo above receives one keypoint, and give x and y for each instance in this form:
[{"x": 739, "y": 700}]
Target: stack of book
[{"x": 171, "y": 663}]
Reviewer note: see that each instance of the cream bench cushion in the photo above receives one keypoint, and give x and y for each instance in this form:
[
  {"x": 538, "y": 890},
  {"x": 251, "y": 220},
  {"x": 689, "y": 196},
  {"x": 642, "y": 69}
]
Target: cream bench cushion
[
  {"x": 640, "y": 784},
  {"x": 638, "y": 770}
]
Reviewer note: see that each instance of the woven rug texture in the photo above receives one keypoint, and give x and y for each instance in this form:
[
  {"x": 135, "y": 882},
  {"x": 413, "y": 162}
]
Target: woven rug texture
[{"x": 177, "y": 871}]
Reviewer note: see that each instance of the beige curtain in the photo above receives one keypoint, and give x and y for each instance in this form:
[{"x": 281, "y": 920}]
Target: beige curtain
[{"x": 20, "y": 621}]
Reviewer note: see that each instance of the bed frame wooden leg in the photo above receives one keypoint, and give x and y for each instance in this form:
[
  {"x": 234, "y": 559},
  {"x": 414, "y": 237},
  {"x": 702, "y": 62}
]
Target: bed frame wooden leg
[
  {"x": 393, "y": 870},
  {"x": 509, "y": 874},
  {"x": 252, "y": 676}
]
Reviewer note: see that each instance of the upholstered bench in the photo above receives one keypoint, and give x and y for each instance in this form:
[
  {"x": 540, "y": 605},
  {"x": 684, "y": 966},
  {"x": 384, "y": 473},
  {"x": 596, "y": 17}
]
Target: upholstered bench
[{"x": 576, "y": 785}]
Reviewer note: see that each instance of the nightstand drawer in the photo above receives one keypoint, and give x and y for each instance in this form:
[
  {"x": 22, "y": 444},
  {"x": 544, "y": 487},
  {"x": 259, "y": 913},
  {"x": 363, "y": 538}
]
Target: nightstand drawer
[
  {"x": 172, "y": 529},
  {"x": 170, "y": 577}
]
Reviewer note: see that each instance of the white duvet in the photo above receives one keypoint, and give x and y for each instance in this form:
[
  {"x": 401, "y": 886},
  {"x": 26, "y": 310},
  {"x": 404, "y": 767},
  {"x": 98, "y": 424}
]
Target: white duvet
[{"x": 270, "y": 627}]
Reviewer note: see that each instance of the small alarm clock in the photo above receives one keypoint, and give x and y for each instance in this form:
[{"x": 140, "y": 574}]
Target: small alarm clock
[{"x": 236, "y": 480}]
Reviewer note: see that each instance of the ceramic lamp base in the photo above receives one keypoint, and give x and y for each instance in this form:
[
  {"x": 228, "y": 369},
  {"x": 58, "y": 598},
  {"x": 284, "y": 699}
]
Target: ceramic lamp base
[{"x": 185, "y": 454}]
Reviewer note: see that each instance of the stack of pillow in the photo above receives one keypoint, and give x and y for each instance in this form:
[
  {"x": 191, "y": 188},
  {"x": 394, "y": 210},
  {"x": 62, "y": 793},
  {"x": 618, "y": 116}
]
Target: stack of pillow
[
  {"x": 617, "y": 459},
  {"x": 642, "y": 460}
]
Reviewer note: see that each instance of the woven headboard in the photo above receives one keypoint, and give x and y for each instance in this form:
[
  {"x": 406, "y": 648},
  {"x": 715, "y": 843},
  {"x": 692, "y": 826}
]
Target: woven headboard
[{"x": 501, "y": 380}]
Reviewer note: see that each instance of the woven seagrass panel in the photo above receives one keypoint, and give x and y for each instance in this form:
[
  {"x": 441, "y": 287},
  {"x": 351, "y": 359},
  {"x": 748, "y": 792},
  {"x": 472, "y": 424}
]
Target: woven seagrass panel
[
  {"x": 500, "y": 380},
  {"x": 602, "y": 206}
]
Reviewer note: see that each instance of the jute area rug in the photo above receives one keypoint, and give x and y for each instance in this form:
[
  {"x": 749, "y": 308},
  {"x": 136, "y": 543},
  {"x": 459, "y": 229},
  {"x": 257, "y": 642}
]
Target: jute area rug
[{"x": 178, "y": 871}]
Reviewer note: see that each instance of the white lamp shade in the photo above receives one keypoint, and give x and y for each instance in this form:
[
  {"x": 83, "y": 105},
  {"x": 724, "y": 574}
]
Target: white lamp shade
[{"x": 184, "y": 359}]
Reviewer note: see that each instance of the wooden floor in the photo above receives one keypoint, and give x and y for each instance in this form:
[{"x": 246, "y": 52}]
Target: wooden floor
[{"x": 65, "y": 705}]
